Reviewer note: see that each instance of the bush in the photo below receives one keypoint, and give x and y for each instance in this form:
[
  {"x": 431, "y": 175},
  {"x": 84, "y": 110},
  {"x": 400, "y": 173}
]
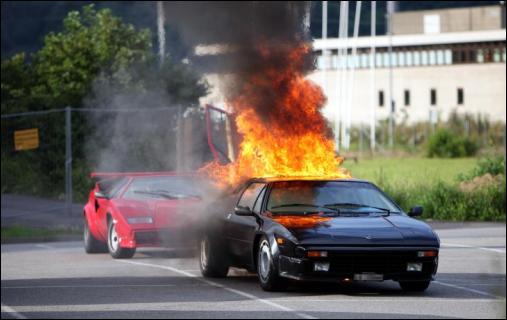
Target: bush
[
  {"x": 492, "y": 165},
  {"x": 446, "y": 144}
]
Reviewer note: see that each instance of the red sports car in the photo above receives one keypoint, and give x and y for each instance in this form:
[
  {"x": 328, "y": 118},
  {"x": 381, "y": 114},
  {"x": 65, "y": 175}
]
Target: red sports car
[{"x": 130, "y": 210}]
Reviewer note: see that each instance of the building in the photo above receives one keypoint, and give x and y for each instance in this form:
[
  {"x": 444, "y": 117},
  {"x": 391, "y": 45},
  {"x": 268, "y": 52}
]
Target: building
[{"x": 441, "y": 61}]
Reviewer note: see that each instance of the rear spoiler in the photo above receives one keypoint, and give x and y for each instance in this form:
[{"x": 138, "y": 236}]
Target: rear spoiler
[{"x": 112, "y": 175}]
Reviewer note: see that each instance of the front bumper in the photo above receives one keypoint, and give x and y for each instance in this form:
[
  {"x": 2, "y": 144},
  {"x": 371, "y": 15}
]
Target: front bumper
[
  {"x": 346, "y": 265},
  {"x": 156, "y": 238}
]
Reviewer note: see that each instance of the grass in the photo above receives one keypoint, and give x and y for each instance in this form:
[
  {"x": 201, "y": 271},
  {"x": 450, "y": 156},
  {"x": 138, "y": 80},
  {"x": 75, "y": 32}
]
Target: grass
[
  {"x": 410, "y": 171},
  {"x": 17, "y": 233},
  {"x": 434, "y": 184}
]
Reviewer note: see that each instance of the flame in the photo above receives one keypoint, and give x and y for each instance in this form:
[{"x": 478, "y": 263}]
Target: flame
[
  {"x": 300, "y": 222},
  {"x": 288, "y": 138}
]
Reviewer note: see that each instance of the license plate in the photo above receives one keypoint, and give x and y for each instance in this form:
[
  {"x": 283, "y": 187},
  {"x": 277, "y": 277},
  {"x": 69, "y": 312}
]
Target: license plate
[{"x": 368, "y": 277}]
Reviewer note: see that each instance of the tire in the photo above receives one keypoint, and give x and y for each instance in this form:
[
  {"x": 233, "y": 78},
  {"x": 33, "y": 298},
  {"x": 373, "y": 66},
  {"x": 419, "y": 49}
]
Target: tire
[
  {"x": 414, "y": 286},
  {"x": 91, "y": 244},
  {"x": 212, "y": 262},
  {"x": 113, "y": 244},
  {"x": 267, "y": 271}
]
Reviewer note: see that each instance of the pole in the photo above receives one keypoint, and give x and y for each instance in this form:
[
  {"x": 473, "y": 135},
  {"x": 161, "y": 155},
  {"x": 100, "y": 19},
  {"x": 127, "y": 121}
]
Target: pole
[
  {"x": 372, "y": 75},
  {"x": 390, "y": 9},
  {"x": 161, "y": 31},
  {"x": 351, "y": 75},
  {"x": 68, "y": 160},
  {"x": 344, "y": 22}
]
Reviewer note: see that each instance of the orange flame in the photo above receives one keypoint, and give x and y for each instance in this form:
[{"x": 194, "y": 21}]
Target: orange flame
[
  {"x": 299, "y": 222},
  {"x": 292, "y": 138}
]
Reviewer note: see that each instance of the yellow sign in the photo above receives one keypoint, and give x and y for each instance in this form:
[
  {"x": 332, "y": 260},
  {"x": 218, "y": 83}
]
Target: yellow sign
[{"x": 26, "y": 139}]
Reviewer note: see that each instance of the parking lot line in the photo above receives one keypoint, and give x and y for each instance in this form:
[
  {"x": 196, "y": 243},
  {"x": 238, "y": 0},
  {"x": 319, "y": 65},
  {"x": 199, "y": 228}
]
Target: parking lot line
[
  {"x": 482, "y": 293},
  {"x": 12, "y": 312},
  {"x": 215, "y": 284}
]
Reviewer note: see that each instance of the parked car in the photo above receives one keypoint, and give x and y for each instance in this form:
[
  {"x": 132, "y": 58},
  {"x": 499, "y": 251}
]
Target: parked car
[
  {"x": 313, "y": 229},
  {"x": 131, "y": 210}
]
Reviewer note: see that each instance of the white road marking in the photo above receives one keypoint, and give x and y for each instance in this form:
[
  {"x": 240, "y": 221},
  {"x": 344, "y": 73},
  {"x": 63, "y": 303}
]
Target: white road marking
[
  {"x": 446, "y": 244},
  {"x": 482, "y": 293},
  {"x": 215, "y": 284},
  {"x": 389, "y": 299},
  {"x": 12, "y": 312}
]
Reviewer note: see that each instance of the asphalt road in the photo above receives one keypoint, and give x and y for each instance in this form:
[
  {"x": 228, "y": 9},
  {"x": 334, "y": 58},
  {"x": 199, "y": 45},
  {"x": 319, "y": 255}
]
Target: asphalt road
[{"x": 58, "y": 280}]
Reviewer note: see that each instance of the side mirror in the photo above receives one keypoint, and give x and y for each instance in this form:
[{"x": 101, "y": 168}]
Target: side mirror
[
  {"x": 100, "y": 195},
  {"x": 243, "y": 211},
  {"x": 416, "y": 211}
]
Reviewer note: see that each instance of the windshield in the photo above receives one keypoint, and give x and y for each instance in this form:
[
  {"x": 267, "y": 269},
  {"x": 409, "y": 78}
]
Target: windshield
[
  {"x": 169, "y": 187},
  {"x": 326, "y": 196}
]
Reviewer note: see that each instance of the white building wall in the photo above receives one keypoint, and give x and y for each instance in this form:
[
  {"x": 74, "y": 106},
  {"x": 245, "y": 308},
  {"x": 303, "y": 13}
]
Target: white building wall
[{"x": 484, "y": 88}]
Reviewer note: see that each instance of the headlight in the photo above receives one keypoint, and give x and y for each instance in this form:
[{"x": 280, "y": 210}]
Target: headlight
[{"x": 138, "y": 220}]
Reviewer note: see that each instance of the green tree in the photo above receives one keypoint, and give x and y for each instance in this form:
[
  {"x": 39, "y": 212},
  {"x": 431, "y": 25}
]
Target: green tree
[{"x": 93, "y": 50}]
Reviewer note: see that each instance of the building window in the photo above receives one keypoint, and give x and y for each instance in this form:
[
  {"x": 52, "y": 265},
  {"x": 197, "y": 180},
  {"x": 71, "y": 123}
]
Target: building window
[
  {"x": 406, "y": 97},
  {"x": 417, "y": 58},
  {"x": 381, "y": 98},
  {"x": 480, "y": 56},
  {"x": 401, "y": 59},
  {"x": 378, "y": 59},
  {"x": 461, "y": 96},
  {"x": 386, "y": 59},
  {"x": 424, "y": 58},
  {"x": 433, "y": 97},
  {"x": 448, "y": 57},
  {"x": 432, "y": 58},
  {"x": 497, "y": 55},
  {"x": 408, "y": 58}
]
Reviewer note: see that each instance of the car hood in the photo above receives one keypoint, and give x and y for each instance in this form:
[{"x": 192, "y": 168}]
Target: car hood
[
  {"x": 394, "y": 230},
  {"x": 166, "y": 213}
]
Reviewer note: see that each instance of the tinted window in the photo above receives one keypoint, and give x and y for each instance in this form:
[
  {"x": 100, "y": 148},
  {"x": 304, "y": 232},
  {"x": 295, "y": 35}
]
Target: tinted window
[
  {"x": 169, "y": 187},
  {"x": 250, "y": 195},
  {"x": 322, "y": 193}
]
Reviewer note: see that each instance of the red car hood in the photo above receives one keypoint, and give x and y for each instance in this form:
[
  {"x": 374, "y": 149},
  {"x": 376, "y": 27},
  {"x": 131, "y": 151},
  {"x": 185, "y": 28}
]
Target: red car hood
[{"x": 165, "y": 213}]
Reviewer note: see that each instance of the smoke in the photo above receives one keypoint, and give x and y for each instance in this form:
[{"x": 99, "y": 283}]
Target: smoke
[{"x": 258, "y": 36}]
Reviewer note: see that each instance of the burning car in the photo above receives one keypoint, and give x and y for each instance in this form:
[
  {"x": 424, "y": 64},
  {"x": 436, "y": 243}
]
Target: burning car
[
  {"x": 318, "y": 230},
  {"x": 130, "y": 210}
]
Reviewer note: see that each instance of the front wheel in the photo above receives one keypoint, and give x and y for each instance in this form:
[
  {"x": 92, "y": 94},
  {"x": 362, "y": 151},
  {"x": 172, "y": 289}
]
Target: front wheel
[
  {"x": 91, "y": 244},
  {"x": 414, "y": 286},
  {"x": 113, "y": 243},
  {"x": 266, "y": 269}
]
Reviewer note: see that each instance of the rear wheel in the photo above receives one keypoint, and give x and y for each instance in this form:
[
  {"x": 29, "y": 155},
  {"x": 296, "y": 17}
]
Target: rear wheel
[
  {"x": 414, "y": 286},
  {"x": 113, "y": 243},
  {"x": 212, "y": 262},
  {"x": 91, "y": 244},
  {"x": 266, "y": 269}
]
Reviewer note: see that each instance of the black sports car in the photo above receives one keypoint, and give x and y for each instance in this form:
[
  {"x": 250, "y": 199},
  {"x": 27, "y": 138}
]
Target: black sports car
[{"x": 318, "y": 230}]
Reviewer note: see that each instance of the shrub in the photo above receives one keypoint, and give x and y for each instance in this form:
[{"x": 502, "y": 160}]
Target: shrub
[
  {"x": 446, "y": 144},
  {"x": 492, "y": 165}
]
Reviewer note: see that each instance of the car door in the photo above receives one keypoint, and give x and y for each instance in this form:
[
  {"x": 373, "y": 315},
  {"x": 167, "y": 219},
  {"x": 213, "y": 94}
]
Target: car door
[{"x": 240, "y": 230}]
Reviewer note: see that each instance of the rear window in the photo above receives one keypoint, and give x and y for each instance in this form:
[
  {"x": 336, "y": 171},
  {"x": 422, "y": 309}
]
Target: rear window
[
  {"x": 170, "y": 187},
  {"x": 111, "y": 187}
]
